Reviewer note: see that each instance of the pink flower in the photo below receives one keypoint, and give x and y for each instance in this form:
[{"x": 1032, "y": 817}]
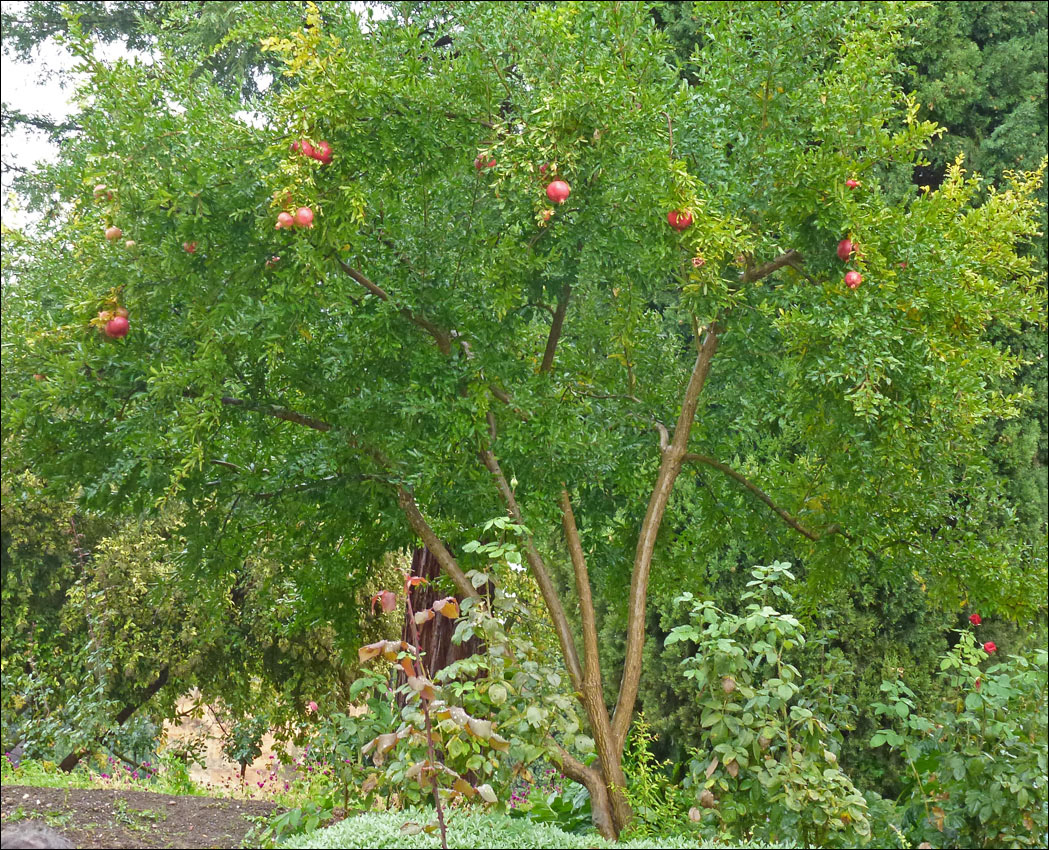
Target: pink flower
[
  {"x": 975, "y": 619},
  {"x": 698, "y": 261},
  {"x": 311, "y": 707},
  {"x": 990, "y": 647}
]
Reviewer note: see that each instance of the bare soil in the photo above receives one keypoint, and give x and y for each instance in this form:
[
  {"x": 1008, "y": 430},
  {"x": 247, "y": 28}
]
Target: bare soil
[{"x": 102, "y": 817}]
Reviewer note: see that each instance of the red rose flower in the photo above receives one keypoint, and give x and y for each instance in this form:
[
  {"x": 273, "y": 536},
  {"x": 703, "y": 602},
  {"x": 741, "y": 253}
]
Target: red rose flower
[
  {"x": 989, "y": 647},
  {"x": 975, "y": 619}
]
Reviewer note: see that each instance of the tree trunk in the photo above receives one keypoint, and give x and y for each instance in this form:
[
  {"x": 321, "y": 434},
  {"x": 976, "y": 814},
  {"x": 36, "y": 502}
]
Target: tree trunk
[{"x": 435, "y": 636}]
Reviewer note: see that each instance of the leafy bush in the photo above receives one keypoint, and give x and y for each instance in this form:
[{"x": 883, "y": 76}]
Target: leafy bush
[
  {"x": 473, "y": 829},
  {"x": 767, "y": 765},
  {"x": 976, "y": 762}
]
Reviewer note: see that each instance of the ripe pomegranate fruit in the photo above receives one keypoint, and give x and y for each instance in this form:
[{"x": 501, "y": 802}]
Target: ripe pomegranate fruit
[
  {"x": 304, "y": 217},
  {"x": 285, "y": 219},
  {"x": 853, "y": 279},
  {"x": 852, "y": 184},
  {"x": 113, "y": 233},
  {"x": 679, "y": 220},
  {"x": 117, "y": 327},
  {"x": 845, "y": 250},
  {"x": 558, "y": 191},
  {"x": 189, "y": 247}
]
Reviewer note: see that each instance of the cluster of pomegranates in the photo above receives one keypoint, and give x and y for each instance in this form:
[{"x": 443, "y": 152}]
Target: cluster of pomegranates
[
  {"x": 320, "y": 152},
  {"x": 114, "y": 323}
]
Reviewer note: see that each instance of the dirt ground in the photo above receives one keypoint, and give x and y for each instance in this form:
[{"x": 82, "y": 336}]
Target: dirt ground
[{"x": 102, "y": 817}]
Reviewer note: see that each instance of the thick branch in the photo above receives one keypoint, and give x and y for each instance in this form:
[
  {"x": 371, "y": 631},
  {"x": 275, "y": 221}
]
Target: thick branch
[
  {"x": 441, "y": 336},
  {"x": 786, "y": 516},
  {"x": 592, "y": 693},
  {"x": 592, "y": 781},
  {"x": 555, "y": 329},
  {"x": 541, "y": 574},
  {"x": 591, "y": 655},
  {"x": 790, "y": 258},
  {"x": 418, "y": 522},
  {"x": 669, "y": 468}
]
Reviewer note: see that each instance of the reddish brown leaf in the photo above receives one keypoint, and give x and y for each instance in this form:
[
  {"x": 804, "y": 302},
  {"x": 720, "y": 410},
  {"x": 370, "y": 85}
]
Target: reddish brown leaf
[
  {"x": 712, "y": 767},
  {"x": 422, "y": 687}
]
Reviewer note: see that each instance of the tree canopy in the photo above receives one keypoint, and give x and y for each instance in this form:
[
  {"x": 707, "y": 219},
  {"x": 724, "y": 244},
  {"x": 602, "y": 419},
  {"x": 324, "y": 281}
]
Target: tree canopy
[{"x": 682, "y": 358}]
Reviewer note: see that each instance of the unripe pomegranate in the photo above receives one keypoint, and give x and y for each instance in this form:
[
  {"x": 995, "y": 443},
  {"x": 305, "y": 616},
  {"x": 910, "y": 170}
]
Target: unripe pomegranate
[
  {"x": 113, "y": 233},
  {"x": 546, "y": 215},
  {"x": 698, "y": 262},
  {"x": 285, "y": 219},
  {"x": 845, "y": 250},
  {"x": 852, "y": 184},
  {"x": 121, "y": 312},
  {"x": 853, "y": 279},
  {"x": 129, "y": 244},
  {"x": 304, "y": 217},
  {"x": 679, "y": 220},
  {"x": 117, "y": 327},
  {"x": 558, "y": 191}
]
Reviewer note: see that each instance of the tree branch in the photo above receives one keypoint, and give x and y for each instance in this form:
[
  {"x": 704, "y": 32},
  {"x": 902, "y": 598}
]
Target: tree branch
[
  {"x": 790, "y": 258},
  {"x": 541, "y": 574},
  {"x": 592, "y": 693},
  {"x": 591, "y": 655},
  {"x": 278, "y": 413},
  {"x": 442, "y": 337},
  {"x": 785, "y": 515},
  {"x": 418, "y": 522},
  {"x": 669, "y": 468},
  {"x": 555, "y": 329}
]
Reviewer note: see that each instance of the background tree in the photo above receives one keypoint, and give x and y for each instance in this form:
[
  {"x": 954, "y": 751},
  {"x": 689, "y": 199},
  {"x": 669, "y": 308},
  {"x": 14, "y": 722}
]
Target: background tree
[{"x": 444, "y": 343}]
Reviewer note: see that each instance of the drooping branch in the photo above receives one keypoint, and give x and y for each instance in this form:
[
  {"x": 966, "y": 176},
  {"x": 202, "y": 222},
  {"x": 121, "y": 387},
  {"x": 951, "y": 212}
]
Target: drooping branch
[
  {"x": 442, "y": 337},
  {"x": 789, "y": 258},
  {"x": 421, "y": 527},
  {"x": 786, "y": 516},
  {"x": 278, "y": 413},
  {"x": 555, "y": 329},
  {"x": 404, "y": 498},
  {"x": 541, "y": 574},
  {"x": 669, "y": 467}
]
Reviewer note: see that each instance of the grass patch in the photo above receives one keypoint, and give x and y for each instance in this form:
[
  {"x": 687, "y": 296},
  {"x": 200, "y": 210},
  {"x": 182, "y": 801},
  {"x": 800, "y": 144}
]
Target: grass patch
[
  {"x": 166, "y": 778},
  {"x": 472, "y": 829}
]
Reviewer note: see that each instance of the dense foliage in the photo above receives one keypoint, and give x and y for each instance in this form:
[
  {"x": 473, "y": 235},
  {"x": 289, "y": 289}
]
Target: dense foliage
[{"x": 744, "y": 336}]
